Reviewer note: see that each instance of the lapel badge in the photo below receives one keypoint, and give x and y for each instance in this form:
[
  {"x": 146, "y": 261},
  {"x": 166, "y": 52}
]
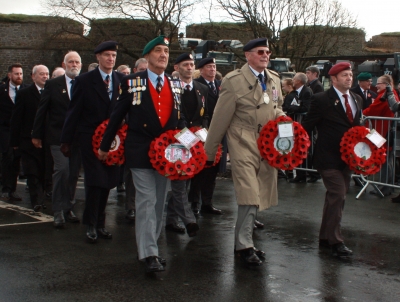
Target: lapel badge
[
  {"x": 64, "y": 91},
  {"x": 336, "y": 102}
]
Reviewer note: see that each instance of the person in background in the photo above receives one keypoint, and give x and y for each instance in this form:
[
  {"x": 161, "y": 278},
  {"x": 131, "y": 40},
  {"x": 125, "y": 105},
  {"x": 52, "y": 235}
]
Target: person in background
[
  {"x": 57, "y": 72},
  {"x": 363, "y": 89},
  {"x": 312, "y": 73},
  {"x": 140, "y": 65},
  {"x": 124, "y": 69},
  {"x": 92, "y": 66}
]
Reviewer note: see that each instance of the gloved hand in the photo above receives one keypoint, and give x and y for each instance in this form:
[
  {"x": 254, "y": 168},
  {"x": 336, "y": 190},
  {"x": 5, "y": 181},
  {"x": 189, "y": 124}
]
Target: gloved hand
[
  {"x": 389, "y": 90},
  {"x": 66, "y": 149}
]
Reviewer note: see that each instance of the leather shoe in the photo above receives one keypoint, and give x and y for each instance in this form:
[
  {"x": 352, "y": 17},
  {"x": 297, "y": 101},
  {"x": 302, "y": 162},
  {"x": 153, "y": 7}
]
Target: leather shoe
[
  {"x": 195, "y": 209},
  {"x": 91, "y": 234},
  {"x": 37, "y": 208},
  {"x": 70, "y": 217},
  {"x": 192, "y": 229},
  {"x": 297, "y": 180},
  {"x": 210, "y": 209},
  {"x": 259, "y": 253},
  {"x": 121, "y": 188},
  {"x": 103, "y": 233},
  {"x": 153, "y": 265},
  {"x": 4, "y": 197},
  {"x": 162, "y": 261},
  {"x": 249, "y": 257},
  {"x": 175, "y": 227},
  {"x": 59, "y": 221},
  {"x": 340, "y": 250},
  {"x": 313, "y": 179},
  {"x": 258, "y": 224},
  {"x": 130, "y": 215},
  {"x": 14, "y": 197},
  {"x": 323, "y": 243}
]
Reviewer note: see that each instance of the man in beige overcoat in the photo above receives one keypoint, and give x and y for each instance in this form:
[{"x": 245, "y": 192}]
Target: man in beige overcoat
[{"x": 249, "y": 98}]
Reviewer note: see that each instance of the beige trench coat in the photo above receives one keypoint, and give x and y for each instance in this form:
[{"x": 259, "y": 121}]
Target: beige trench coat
[{"x": 240, "y": 113}]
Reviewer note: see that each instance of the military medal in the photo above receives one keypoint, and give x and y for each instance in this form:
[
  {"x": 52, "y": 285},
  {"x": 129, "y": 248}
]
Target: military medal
[
  {"x": 266, "y": 98},
  {"x": 202, "y": 108},
  {"x": 139, "y": 98},
  {"x": 274, "y": 94},
  {"x": 120, "y": 89}
]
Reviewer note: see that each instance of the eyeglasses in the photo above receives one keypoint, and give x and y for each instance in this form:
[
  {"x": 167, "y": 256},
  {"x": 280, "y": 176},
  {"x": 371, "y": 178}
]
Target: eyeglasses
[{"x": 260, "y": 52}]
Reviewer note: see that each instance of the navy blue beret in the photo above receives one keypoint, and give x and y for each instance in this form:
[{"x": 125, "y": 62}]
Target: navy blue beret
[
  {"x": 184, "y": 57},
  {"x": 206, "y": 61},
  {"x": 255, "y": 43},
  {"x": 107, "y": 45}
]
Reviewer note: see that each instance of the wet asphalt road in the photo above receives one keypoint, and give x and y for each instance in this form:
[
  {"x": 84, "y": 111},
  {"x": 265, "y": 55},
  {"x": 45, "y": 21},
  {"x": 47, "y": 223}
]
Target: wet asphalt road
[{"x": 40, "y": 263}]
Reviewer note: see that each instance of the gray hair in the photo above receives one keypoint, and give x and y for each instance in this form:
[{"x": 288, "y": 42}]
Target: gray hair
[
  {"x": 70, "y": 52},
  {"x": 301, "y": 77},
  {"x": 313, "y": 69},
  {"x": 122, "y": 67},
  {"x": 34, "y": 69},
  {"x": 139, "y": 61}
]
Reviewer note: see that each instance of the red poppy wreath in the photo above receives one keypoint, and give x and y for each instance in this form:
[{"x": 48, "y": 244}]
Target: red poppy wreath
[
  {"x": 219, "y": 150},
  {"x": 174, "y": 161},
  {"x": 359, "y": 153},
  {"x": 283, "y": 153},
  {"x": 116, "y": 152}
]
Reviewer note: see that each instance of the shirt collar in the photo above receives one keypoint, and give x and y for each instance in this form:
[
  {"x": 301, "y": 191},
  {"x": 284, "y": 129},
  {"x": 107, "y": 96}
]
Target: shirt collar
[
  {"x": 103, "y": 74},
  {"x": 153, "y": 76},
  {"x": 68, "y": 79},
  {"x": 38, "y": 88},
  {"x": 300, "y": 89},
  {"x": 256, "y": 73}
]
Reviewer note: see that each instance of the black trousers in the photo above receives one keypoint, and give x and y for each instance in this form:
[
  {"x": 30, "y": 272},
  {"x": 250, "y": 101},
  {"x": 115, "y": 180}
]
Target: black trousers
[
  {"x": 10, "y": 164},
  {"x": 203, "y": 184},
  {"x": 95, "y": 206}
]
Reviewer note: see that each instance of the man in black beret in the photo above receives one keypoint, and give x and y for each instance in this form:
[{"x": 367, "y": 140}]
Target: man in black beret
[
  {"x": 333, "y": 113},
  {"x": 94, "y": 94},
  {"x": 363, "y": 89},
  {"x": 203, "y": 184}
]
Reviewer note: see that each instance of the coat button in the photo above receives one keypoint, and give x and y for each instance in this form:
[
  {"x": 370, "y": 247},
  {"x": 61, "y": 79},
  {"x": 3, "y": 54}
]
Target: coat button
[
  {"x": 258, "y": 107},
  {"x": 275, "y": 107}
]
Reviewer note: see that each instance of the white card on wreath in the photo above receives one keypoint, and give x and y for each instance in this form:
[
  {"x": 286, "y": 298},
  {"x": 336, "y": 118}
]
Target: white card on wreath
[
  {"x": 375, "y": 138},
  {"x": 285, "y": 129},
  {"x": 202, "y": 134},
  {"x": 187, "y": 138}
]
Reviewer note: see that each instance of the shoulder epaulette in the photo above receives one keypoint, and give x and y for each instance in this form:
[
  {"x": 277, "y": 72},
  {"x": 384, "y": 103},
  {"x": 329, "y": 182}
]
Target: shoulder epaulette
[{"x": 233, "y": 73}]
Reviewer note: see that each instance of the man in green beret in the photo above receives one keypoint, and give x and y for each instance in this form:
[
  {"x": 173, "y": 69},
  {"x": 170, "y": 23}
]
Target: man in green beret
[{"x": 363, "y": 89}]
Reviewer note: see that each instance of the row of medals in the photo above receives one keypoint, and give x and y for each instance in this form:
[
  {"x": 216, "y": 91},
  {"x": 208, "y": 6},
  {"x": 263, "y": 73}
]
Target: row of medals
[{"x": 136, "y": 86}]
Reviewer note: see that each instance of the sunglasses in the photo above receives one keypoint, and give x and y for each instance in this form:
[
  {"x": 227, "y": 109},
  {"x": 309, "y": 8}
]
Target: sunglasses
[{"x": 260, "y": 52}]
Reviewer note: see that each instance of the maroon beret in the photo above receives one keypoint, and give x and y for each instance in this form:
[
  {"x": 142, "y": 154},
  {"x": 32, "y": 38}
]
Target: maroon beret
[{"x": 339, "y": 67}]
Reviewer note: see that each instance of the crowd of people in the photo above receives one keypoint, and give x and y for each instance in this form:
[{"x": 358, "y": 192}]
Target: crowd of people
[{"x": 48, "y": 127}]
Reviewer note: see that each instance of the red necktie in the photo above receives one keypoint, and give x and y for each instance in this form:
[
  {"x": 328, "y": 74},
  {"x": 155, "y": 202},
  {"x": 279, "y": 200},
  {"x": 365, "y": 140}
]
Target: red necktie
[{"x": 349, "y": 113}]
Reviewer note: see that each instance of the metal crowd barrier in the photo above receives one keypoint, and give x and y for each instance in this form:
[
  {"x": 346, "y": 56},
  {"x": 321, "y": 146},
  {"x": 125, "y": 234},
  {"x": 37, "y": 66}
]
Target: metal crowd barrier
[{"x": 386, "y": 177}]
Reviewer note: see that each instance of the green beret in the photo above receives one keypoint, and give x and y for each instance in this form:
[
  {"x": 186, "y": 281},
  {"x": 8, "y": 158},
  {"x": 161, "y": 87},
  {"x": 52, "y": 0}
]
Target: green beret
[
  {"x": 364, "y": 76},
  {"x": 160, "y": 40}
]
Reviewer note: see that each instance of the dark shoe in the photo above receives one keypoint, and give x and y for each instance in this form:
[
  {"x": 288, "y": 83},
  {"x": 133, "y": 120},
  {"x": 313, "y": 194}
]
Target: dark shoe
[
  {"x": 103, "y": 233},
  {"x": 153, "y": 265},
  {"x": 4, "y": 197},
  {"x": 210, "y": 210},
  {"x": 259, "y": 253},
  {"x": 340, "y": 250},
  {"x": 14, "y": 197},
  {"x": 258, "y": 224},
  {"x": 249, "y": 257},
  {"x": 175, "y": 227},
  {"x": 396, "y": 199},
  {"x": 91, "y": 234},
  {"x": 192, "y": 229},
  {"x": 313, "y": 179},
  {"x": 70, "y": 217},
  {"x": 59, "y": 221},
  {"x": 162, "y": 261},
  {"x": 297, "y": 180},
  {"x": 49, "y": 194},
  {"x": 323, "y": 243},
  {"x": 37, "y": 207},
  {"x": 195, "y": 209},
  {"x": 130, "y": 215},
  {"x": 121, "y": 188}
]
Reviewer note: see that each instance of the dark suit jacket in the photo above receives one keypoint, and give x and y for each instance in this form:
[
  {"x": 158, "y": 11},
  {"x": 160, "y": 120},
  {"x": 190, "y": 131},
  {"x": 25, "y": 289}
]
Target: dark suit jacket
[
  {"x": 212, "y": 98},
  {"x": 304, "y": 100},
  {"x": 316, "y": 87},
  {"x": 23, "y": 116},
  {"x": 366, "y": 101},
  {"x": 201, "y": 92},
  {"x": 143, "y": 124},
  {"x": 51, "y": 112},
  {"x": 329, "y": 117},
  {"x": 6, "y": 107},
  {"x": 89, "y": 107}
]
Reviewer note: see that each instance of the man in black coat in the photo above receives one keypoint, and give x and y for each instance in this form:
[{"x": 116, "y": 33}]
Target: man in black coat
[
  {"x": 333, "y": 113},
  {"x": 93, "y": 98},
  {"x": 10, "y": 158},
  {"x": 152, "y": 112},
  {"x": 22, "y": 119},
  {"x": 47, "y": 129},
  {"x": 312, "y": 73},
  {"x": 204, "y": 183},
  {"x": 363, "y": 89}
]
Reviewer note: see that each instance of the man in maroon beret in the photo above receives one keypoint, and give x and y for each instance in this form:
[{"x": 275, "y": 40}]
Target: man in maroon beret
[{"x": 333, "y": 113}]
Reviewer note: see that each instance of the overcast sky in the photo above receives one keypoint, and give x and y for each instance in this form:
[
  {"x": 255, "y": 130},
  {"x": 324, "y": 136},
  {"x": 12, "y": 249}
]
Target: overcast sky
[{"x": 374, "y": 16}]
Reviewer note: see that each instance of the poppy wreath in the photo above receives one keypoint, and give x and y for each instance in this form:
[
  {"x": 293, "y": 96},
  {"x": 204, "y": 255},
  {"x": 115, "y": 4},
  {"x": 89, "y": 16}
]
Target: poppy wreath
[
  {"x": 219, "y": 150},
  {"x": 361, "y": 165},
  {"x": 278, "y": 158},
  {"x": 116, "y": 152},
  {"x": 175, "y": 170}
]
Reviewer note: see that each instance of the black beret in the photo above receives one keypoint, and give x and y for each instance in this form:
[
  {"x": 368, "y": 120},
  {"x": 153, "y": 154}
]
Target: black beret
[
  {"x": 255, "y": 43},
  {"x": 107, "y": 45},
  {"x": 339, "y": 67},
  {"x": 184, "y": 57},
  {"x": 206, "y": 61},
  {"x": 160, "y": 40}
]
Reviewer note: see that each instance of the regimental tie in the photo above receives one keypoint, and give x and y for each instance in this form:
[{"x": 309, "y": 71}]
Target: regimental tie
[
  {"x": 107, "y": 82},
  {"x": 261, "y": 78},
  {"x": 187, "y": 87},
  {"x": 41, "y": 91},
  {"x": 159, "y": 85},
  {"x": 72, "y": 82},
  {"x": 349, "y": 113},
  {"x": 212, "y": 87},
  {"x": 366, "y": 94}
]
